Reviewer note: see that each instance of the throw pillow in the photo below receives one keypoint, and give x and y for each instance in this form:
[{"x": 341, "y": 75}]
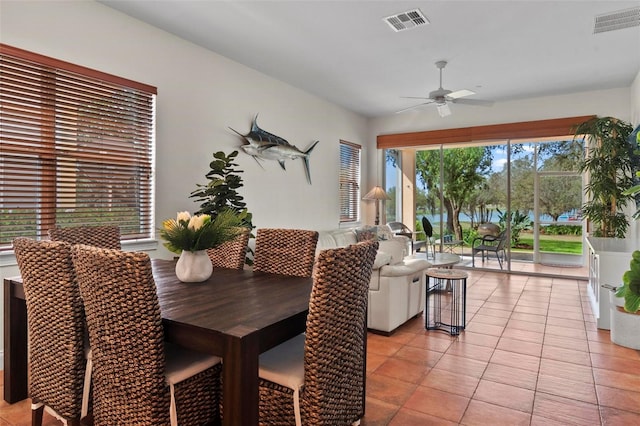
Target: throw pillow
[
  {"x": 384, "y": 233},
  {"x": 377, "y": 233},
  {"x": 365, "y": 234}
]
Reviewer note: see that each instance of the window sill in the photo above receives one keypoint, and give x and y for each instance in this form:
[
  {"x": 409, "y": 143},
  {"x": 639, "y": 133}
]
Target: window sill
[{"x": 7, "y": 258}]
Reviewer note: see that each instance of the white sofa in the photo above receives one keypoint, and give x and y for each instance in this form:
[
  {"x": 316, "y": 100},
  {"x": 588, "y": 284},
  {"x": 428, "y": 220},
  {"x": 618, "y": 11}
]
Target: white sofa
[{"x": 397, "y": 287}]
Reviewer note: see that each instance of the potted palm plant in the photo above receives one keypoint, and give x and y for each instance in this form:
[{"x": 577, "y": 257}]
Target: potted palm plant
[
  {"x": 625, "y": 311},
  {"x": 221, "y": 192},
  {"x": 608, "y": 162}
]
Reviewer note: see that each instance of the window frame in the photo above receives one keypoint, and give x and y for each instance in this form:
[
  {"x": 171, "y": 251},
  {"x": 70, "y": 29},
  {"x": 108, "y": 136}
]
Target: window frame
[
  {"x": 349, "y": 192},
  {"x": 62, "y": 125}
]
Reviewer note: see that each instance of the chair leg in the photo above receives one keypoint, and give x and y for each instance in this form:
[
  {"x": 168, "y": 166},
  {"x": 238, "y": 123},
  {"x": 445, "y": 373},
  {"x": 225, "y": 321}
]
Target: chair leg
[{"x": 37, "y": 410}]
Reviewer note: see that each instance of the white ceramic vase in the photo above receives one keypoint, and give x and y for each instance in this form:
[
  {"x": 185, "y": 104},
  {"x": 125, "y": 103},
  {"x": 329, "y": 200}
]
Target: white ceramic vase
[{"x": 194, "y": 266}]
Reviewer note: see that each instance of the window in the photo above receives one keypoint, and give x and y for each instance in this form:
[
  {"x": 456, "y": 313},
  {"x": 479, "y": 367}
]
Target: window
[
  {"x": 349, "y": 181},
  {"x": 76, "y": 148}
]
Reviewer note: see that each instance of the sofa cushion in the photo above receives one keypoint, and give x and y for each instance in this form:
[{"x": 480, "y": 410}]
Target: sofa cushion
[
  {"x": 408, "y": 267},
  {"x": 394, "y": 248},
  {"x": 335, "y": 238},
  {"x": 344, "y": 237},
  {"x": 382, "y": 259}
]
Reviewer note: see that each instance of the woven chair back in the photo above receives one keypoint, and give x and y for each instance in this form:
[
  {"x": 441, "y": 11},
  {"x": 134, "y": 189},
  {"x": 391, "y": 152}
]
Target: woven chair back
[
  {"x": 126, "y": 336},
  {"x": 285, "y": 251},
  {"x": 55, "y": 319},
  {"x": 334, "y": 359},
  {"x": 231, "y": 254},
  {"x": 98, "y": 236}
]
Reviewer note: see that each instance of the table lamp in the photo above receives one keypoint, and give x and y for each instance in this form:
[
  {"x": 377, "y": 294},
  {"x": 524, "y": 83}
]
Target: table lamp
[{"x": 377, "y": 194}]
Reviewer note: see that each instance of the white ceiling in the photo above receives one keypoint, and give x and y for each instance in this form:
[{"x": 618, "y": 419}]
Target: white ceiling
[{"x": 344, "y": 52}]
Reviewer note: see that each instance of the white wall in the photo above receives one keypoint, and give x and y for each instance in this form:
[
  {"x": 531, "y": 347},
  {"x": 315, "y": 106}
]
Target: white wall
[
  {"x": 200, "y": 94},
  {"x": 635, "y": 101}
]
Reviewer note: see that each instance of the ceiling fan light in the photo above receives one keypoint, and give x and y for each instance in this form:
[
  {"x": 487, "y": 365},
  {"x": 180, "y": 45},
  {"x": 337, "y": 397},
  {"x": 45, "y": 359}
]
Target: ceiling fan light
[{"x": 444, "y": 110}]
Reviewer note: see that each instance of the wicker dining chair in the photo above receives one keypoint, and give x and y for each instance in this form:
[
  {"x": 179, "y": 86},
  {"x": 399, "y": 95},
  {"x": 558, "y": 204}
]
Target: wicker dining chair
[
  {"x": 137, "y": 378},
  {"x": 56, "y": 324},
  {"x": 318, "y": 378},
  {"x": 99, "y": 236},
  {"x": 231, "y": 254},
  {"x": 285, "y": 251}
]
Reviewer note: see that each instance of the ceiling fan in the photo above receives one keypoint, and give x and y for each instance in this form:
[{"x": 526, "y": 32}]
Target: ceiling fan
[{"x": 442, "y": 97}]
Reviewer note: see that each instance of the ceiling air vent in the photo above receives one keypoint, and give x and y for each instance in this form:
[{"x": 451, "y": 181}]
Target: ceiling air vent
[
  {"x": 406, "y": 20},
  {"x": 617, "y": 20}
]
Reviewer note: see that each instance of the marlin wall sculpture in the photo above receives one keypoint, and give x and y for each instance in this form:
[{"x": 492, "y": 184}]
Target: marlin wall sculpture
[{"x": 262, "y": 145}]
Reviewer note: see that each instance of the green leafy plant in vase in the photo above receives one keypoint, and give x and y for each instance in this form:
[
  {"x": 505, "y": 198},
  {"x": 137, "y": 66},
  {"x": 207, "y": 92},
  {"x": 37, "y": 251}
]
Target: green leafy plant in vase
[
  {"x": 630, "y": 289},
  {"x": 191, "y": 236}
]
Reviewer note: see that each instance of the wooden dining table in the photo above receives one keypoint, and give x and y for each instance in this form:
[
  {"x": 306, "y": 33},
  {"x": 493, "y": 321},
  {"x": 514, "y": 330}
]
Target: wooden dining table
[{"x": 235, "y": 314}]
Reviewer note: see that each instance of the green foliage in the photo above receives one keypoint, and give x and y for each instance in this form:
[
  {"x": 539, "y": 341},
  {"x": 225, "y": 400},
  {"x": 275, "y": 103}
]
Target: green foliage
[
  {"x": 221, "y": 193},
  {"x": 630, "y": 289},
  {"x": 200, "y": 232},
  {"x": 634, "y": 191},
  {"x": 464, "y": 170},
  {"x": 608, "y": 162},
  {"x": 519, "y": 222},
  {"x": 561, "y": 229}
]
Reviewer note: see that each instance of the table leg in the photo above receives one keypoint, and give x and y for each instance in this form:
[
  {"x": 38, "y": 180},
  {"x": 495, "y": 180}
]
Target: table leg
[
  {"x": 240, "y": 397},
  {"x": 15, "y": 346}
]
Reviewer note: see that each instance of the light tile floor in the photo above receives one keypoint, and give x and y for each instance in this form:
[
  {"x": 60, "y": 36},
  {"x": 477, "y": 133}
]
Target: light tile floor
[{"x": 530, "y": 355}]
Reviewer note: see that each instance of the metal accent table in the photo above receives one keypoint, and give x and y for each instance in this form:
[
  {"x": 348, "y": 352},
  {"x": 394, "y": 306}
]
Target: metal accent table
[{"x": 446, "y": 295}]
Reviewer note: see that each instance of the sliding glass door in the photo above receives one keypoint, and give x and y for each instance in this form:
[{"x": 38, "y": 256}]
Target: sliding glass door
[{"x": 529, "y": 189}]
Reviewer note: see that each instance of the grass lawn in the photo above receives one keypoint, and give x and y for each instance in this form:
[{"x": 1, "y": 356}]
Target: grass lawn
[{"x": 556, "y": 243}]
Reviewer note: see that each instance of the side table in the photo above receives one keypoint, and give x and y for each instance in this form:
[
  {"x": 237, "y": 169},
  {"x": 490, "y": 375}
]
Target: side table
[{"x": 446, "y": 295}]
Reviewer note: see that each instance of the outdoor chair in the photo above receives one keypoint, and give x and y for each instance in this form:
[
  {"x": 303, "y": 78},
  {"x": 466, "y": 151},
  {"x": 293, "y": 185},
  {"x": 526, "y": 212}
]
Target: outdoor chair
[
  {"x": 318, "y": 378},
  {"x": 400, "y": 228},
  {"x": 56, "y": 324},
  {"x": 98, "y": 236},
  {"x": 490, "y": 243},
  {"x": 285, "y": 251},
  {"x": 137, "y": 378},
  {"x": 231, "y": 254},
  {"x": 428, "y": 231}
]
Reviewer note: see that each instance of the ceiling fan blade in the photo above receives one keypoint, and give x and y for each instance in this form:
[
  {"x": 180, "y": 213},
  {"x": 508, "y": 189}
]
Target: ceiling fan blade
[
  {"x": 460, "y": 94},
  {"x": 414, "y": 97},
  {"x": 413, "y": 107},
  {"x": 477, "y": 102}
]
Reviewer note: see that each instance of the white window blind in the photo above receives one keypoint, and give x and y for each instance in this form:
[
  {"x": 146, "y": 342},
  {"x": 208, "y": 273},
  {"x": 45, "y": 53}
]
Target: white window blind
[
  {"x": 349, "y": 181},
  {"x": 76, "y": 148}
]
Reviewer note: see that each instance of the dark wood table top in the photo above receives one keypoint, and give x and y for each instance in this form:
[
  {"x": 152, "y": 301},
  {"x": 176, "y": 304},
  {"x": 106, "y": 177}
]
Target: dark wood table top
[{"x": 231, "y": 303}]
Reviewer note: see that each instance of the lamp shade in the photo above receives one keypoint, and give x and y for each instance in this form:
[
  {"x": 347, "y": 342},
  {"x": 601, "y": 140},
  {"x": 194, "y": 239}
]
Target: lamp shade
[{"x": 377, "y": 193}]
